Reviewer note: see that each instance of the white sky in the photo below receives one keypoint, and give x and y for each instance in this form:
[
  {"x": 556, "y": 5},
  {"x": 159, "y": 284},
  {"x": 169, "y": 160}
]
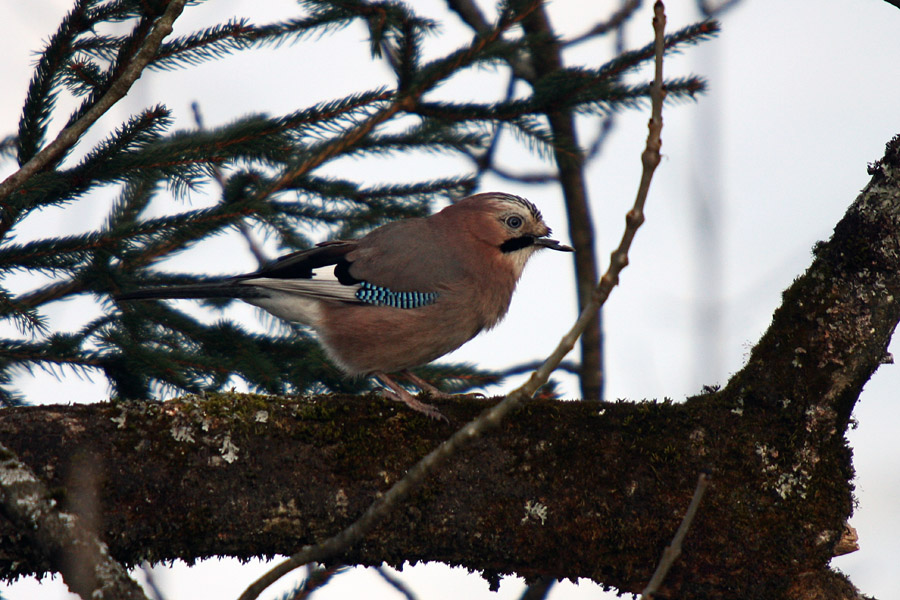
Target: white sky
[{"x": 803, "y": 95}]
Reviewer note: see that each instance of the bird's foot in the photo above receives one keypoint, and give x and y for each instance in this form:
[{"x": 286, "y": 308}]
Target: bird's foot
[
  {"x": 415, "y": 404},
  {"x": 398, "y": 393},
  {"x": 433, "y": 391}
]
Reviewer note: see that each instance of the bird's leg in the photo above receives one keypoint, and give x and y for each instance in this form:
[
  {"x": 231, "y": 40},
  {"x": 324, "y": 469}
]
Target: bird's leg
[
  {"x": 396, "y": 392},
  {"x": 433, "y": 391},
  {"x": 425, "y": 386}
]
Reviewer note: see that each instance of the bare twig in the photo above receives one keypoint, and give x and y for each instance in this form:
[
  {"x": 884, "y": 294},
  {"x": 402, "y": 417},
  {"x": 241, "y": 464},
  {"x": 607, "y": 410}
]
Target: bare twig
[
  {"x": 539, "y": 589},
  {"x": 70, "y": 135},
  {"x": 396, "y": 583},
  {"x": 530, "y": 178},
  {"x": 27, "y": 502},
  {"x": 711, "y": 9},
  {"x": 650, "y": 158},
  {"x": 316, "y": 578},
  {"x": 615, "y": 21},
  {"x": 486, "y": 160},
  {"x": 471, "y": 14},
  {"x": 567, "y": 366},
  {"x": 609, "y": 121},
  {"x": 493, "y": 416},
  {"x": 219, "y": 176},
  {"x": 673, "y": 550},
  {"x": 150, "y": 581}
]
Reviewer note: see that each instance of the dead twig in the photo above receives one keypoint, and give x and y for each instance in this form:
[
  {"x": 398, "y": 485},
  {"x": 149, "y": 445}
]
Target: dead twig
[
  {"x": 493, "y": 416},
  {"x": 673, "y": 550}
]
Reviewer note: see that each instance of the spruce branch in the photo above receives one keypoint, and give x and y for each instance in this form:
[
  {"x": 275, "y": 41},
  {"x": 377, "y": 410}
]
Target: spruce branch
[
  {"x": 198, "y": 47},
  {"x": 675, "y": 42},
  {"x": 41, "y": 96},
  {"x": 429, "y": 76},
  {"x": 129, "y": 47},
  {"x": 72, "y": 133},
  {"x": 472, "y": 16},
  {"x": 492, "y": 417}
]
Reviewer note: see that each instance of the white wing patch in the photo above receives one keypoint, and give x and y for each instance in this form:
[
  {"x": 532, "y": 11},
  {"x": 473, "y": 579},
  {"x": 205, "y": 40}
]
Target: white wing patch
[{"x": 324, "y": 289}]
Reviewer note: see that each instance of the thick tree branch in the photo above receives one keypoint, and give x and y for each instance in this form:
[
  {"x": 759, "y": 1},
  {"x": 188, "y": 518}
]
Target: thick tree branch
[{"x": 564, "y": 490}]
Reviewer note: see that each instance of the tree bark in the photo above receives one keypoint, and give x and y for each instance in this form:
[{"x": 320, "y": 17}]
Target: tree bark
[{"x": 563, "y": 490}]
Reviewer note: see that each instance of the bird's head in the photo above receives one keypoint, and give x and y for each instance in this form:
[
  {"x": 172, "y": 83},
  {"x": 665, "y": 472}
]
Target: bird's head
[{"x": 511, "y": 224}]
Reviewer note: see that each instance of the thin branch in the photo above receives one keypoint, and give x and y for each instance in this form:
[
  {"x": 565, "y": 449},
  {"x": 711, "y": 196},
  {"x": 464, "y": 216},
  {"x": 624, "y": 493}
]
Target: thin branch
[
  {"x": 615, "y": 21},
  {"x": 486, "y": 160},
  {"x": 531, "y": 179},
  {"x": 71, "y": 134},
  {"x": 81, "y": 558},
  {"x": 710, "y": 9},
  {"x": 150, "y": 581},
  {"x": 539, "y": 589},
  {"x": 567, "y": 366},
  {"x": 673, "y": 550},
  {"x": 469, "y": 12},
  {"x": 650, "y": 158},
  {"x": 255, "y": 249},
  {"x": 396, "y": 583},
  {"x": 492, "y": 417},
  {"x": 606, "y": 128},
  {"x": 316, "y": 578},
  {"x": 609, "y": 121},
  {"x": 396, "y": 102},
  {"x": 50, "y": 293}
]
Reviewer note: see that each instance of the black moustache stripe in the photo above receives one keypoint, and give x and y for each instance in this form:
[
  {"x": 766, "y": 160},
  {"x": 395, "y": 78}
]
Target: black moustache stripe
[{"x": 517, "y": 243}]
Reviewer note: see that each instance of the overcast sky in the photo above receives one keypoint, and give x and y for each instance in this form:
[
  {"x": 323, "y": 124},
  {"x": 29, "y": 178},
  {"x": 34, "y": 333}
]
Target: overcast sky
[{"x": 802, "y": 96}]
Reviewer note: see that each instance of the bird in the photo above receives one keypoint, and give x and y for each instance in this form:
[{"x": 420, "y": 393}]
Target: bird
[{"x": 401, "y": 296}]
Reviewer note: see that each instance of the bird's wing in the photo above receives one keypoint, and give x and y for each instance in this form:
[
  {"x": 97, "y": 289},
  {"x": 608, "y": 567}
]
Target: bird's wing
[
  {"x": 305, "y": 263},
  {"x": 407, "y": 256},
  {"x": 318, "y": 272}
]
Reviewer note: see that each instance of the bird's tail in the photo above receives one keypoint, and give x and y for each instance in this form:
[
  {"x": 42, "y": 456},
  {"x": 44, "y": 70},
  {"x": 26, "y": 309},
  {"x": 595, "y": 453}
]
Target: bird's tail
[{"x": 194, "y": 291}]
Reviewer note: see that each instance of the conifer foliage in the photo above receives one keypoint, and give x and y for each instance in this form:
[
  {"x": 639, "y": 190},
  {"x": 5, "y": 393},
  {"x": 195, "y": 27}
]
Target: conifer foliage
[{"x": 266, "y": 170}]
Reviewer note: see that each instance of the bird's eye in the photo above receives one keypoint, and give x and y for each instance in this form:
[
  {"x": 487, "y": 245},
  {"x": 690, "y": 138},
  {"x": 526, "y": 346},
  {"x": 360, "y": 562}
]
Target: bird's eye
[{"x": 514, "y": 221}]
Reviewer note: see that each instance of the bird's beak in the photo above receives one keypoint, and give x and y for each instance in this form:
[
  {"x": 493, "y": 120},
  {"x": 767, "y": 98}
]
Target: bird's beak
[{"x": 553, "y": 245}]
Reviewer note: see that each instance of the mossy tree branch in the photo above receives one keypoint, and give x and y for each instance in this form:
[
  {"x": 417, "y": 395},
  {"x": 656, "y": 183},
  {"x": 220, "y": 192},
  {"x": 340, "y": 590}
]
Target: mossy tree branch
[{"x": 561, "y": 490}]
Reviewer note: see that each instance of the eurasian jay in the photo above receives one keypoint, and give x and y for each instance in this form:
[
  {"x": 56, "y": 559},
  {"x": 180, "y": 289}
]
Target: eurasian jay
[{"x": 404, "y": 294}]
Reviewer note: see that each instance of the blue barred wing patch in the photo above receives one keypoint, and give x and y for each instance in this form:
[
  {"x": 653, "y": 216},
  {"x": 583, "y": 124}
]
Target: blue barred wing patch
[{"x": 381, "y": 296}]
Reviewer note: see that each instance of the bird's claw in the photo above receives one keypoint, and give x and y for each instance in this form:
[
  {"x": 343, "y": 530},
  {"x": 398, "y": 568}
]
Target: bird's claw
[{"x": 415, "y": 404}]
